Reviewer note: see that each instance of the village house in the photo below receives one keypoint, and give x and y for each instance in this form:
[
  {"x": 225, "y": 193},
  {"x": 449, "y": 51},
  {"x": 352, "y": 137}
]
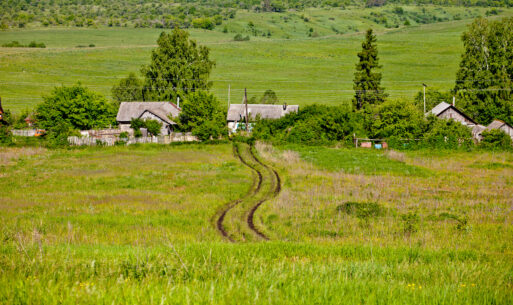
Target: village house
[
  {"x": 237, "y": 113},
  {"x": 159, "y": 111},
  {"x": 449, "y": 111}
]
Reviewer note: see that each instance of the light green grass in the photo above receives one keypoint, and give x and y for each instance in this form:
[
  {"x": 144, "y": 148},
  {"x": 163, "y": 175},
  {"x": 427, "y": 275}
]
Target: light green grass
[
  {"x": 133, "y": 225},
  {"x": 356, "y": 161},
  {"x": 301, "y": 70}
]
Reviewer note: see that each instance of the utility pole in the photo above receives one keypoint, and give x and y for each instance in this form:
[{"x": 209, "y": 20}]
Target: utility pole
[
  {"x": 424, "y": 97},
  {"x": 246, "y": 102},
  {"x": 228, "y": 96}
]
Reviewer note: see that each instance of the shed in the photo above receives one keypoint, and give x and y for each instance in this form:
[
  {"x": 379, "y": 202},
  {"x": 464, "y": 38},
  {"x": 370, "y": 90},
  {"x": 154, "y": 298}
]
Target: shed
[
  {"x": 501, "y": 125},
  {"x": 159, "y": 111},
  {"x": 237, "y": 112}
]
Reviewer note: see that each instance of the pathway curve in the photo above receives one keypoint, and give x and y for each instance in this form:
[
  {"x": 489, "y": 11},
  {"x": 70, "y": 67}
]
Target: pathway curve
[{"x": 240, "y": 213}]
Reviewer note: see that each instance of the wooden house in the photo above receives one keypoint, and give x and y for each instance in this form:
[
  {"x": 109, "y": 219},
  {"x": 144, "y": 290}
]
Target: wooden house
[
  {"x": 159, "y": 111},
  {"x": 237, "y": 113},
  {"x": 449, "y": 111}
]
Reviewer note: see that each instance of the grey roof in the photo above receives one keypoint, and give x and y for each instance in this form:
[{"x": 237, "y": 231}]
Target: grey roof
[
  {"x": 131, "y": 110},
  {"x": 438, "y": 109},
  {"x": 496, "y": 124},
  {"x": 238, "y": 111}
]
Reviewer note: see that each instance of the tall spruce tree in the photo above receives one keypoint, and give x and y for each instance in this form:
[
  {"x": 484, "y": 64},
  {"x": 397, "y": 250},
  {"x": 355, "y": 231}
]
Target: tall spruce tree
[
  {"x": 484, "y": 81},
  {"x": 367, "y": 83},
  {"x": 178, "y": 67}
]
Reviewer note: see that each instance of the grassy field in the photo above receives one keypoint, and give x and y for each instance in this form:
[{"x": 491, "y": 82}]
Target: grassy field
[
  {"x": 133, "y": 225},
  {"x": 301, "y": 69}
]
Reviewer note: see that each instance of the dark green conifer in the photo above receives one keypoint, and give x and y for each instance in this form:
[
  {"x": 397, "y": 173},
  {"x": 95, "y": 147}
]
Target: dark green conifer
[{"x": 367, "y": 83}]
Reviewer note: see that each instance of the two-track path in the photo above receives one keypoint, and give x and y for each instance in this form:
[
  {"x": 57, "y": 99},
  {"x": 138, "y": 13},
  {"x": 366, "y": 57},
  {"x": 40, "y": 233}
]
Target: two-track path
[{"x": 236, "y": 220}]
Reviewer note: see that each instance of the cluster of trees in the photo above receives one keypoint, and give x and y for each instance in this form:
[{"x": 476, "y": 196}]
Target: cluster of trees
[
  {"x": 372, "y": 115},
  {"x": 137, "y": 13},
  {"x": 179, "y": 70}
]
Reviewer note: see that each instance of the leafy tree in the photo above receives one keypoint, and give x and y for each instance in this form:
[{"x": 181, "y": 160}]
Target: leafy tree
[
  {"x": 269, "y": 97},
  {"x": 129, "y": 89},
  {"x": 367, "y": 84},
  {"x": 153, "y": 127},
  {"x": 202, "y": 114},
  {"x": 495, "y": 139},
  {"x": 433, "y": 98},
  {"x": 398, "y": 118},
  {"x": 178, "y": 67},
  {"x": 484, "y": 80},
  {"x": 75, "y": 107}
]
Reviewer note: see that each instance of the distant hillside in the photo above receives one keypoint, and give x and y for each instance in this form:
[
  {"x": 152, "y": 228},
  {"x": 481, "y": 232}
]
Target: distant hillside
[{"x": 185, "y": 14}]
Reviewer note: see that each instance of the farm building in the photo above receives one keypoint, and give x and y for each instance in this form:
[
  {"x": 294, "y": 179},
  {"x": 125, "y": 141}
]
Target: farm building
[
  {"x": 237, "y": 112},
  {"x": 160, "y": 111},
  {"x": 498, "y": 124},
  {"x": 448, "y": 111}
]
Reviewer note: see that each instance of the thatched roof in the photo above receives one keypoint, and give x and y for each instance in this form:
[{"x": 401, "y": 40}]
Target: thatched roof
[
  {"x": 497, "y": 124},
  {"x": 443, "y": 106},
  {"x": 238, "y": 111},
  {"x": 132, "y": 110}
]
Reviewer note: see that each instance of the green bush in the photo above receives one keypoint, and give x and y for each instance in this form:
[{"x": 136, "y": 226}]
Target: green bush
[
  {"x": 76, "y": 107},
  {"x": 495, "y": 139},
  {"x": 203, "y": 23},
  {"x": 203, "y": 115},
  {"x": 312, "y": 125},
  {"x": 153, "y": 127},
  {"x": 362, "y": 210}
]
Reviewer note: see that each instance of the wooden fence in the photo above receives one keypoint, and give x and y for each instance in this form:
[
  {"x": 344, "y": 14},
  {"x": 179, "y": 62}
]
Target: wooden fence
[
  {"x": 23, "y": 132},
  {"x": 110, "y": 141}
]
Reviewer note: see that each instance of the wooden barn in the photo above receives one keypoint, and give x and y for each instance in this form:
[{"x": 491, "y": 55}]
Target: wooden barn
[
  {"x": 159, "y": 111},
  {"x": 237, "y": 113}
]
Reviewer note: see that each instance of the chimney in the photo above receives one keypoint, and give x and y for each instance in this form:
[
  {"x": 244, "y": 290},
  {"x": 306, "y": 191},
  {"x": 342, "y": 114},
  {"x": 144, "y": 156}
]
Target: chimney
[
  {"x": 454, "y": 101},
  {"x": 178, "y": 101},
  {"x": 284, "y": 106}
]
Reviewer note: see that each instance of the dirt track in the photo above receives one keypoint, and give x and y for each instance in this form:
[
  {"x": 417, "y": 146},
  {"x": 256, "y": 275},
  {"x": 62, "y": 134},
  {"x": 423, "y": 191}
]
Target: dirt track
[{"x": 264, "y": 175}]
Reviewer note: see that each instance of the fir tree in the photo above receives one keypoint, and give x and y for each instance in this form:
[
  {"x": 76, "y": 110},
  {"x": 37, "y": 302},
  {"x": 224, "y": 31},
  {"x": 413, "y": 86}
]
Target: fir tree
[{"x": 367, "y": 84}]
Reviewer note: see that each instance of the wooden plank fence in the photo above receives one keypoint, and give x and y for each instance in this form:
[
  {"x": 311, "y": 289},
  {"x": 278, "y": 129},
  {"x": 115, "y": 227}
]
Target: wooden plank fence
[
  {"x": 23, "y": 132},
  {"x": 110, "y": 141}
]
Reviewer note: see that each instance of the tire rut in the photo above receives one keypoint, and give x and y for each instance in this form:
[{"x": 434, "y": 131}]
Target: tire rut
[{"x": 273, "y": 192}]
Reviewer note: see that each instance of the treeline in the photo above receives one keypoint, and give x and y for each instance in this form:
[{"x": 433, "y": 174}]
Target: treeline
[
  {"x": 483, "y": 89},
  {"x": 164, "y": 14}
]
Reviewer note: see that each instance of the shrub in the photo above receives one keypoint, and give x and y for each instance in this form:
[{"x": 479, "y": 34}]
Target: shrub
[
  {"x": 153, "y": 127},
  {"x": 495, "y": 139},
  {"x": 444, "y": 133},
  {"x": 362, "y": 210},
  {"x": 203, "y": 23},
  {"x": 410, "y": 223},
  {"x": 239, "y": 37},
  {"x": 202, "y": 114}
]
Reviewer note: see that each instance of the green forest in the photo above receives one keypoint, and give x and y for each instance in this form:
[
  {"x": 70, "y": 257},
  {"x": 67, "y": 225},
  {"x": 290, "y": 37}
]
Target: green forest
[{"x": 185, "y": 14}]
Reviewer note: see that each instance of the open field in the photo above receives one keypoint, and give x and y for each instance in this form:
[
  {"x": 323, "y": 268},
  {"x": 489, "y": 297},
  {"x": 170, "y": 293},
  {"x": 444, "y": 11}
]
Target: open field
[
  {"x": 135, "y": 225},
  {"x": 301, "y": 69}
]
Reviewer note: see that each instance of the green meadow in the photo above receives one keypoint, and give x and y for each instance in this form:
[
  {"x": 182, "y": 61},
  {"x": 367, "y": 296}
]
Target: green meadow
[
  {"x": 135, "y": 225},
  {"x": 304, "y": 62}
]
